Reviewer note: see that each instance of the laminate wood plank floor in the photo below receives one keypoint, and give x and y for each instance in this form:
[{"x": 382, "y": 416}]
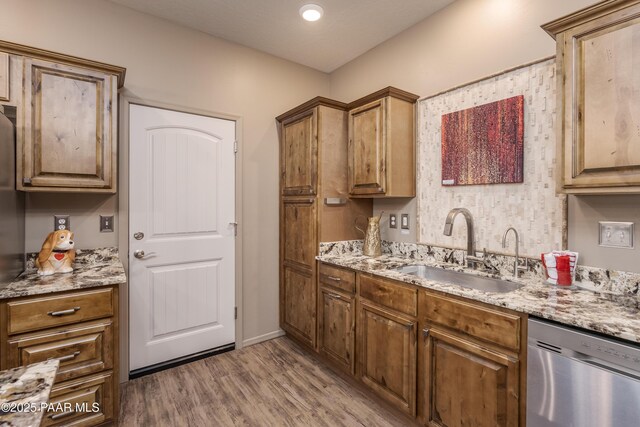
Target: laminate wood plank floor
[{"x": 274, "y": 383}]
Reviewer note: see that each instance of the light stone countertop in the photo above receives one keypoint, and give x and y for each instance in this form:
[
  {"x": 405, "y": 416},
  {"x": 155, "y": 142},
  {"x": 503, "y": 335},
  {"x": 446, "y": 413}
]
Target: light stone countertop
[
  {"x": 93, "y": 268},
  {"x": 25, "y": 390},
  {"x": 606, "y": 313}
]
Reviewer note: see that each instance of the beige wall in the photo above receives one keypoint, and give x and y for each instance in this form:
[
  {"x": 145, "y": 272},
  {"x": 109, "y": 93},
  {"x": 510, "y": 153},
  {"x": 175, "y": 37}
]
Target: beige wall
[
  {"x": 176, "y": 65},
  {"x": 466, "y": 41}
]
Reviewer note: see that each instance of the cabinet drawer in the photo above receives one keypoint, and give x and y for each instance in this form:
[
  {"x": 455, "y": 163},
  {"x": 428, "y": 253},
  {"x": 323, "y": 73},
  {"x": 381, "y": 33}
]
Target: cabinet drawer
[
  {"x": 85, "y": 402},
  {"x": 82, "y": 350},
  {"x": 488, "y": 325},
  {"x": 389, "y": 294},
  {"x": 338, "y": 278},
  {"x": 41, "y": 313}
]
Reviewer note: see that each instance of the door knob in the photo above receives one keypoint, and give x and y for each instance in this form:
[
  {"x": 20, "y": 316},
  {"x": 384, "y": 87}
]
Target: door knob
[{"x": 138, "y": 254}]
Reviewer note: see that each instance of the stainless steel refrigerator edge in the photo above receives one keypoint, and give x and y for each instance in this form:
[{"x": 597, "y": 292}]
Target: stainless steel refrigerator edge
[{"x": 12, "y": 206}]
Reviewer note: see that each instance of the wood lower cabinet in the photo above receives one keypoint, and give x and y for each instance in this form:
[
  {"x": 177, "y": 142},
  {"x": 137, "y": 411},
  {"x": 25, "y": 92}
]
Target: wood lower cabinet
[
  {"x": 472, "y": 368},
  {"x": 337, "y": 326},
  {"x": 387, "y": 355},
  {"x": 80, "y": 329},
  {"x": 467, "y": 384},
  {"x": 88, "y": 401},
  {"x": 299, "y": 304}
]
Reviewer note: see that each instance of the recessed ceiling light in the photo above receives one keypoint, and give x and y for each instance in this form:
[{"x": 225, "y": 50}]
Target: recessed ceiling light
[{"x": 311, "y": 12}]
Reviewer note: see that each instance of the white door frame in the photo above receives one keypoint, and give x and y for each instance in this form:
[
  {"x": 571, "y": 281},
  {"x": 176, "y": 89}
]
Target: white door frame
[{"x": 123, "y": 215}]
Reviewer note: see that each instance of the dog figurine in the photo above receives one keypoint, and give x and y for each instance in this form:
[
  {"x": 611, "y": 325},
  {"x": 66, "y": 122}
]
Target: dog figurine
[{"x": 57, "y": 254}]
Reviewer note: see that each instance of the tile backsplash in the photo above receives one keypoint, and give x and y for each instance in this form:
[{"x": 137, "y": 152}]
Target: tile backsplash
[{"x": 532, "y": 207}]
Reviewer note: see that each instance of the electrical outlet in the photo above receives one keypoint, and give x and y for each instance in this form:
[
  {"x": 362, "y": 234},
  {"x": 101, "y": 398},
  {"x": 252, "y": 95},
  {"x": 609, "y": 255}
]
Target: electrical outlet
[
  {"x": 616, "y": 234},
  {"x": 106, "y": 223},
  {"x": 404, "y": 221},
  {"x": 61, "y": 222},
  {"x": 393, "y": 221}
]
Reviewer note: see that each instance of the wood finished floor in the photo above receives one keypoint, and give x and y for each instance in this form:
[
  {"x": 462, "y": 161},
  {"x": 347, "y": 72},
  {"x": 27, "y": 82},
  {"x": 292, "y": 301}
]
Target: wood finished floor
[{"x": 274, "y": 383}]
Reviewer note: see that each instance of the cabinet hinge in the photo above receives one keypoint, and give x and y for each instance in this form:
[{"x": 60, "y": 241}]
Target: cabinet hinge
[
  {"x": 235, "y": 146},
  {"x": 235, "y": 312}
]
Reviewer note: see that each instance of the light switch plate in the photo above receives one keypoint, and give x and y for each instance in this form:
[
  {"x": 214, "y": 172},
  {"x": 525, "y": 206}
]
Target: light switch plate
[
  {"x": 404, "y": 221},
  {"x": 616, "y": 234},
  {"x": 61, "y": 222},
  {"x": 393, "y": 221},
  {"x": 106, "y": 223}
]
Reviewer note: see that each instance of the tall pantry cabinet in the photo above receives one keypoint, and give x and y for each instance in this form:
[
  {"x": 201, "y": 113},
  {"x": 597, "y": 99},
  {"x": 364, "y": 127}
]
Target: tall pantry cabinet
[{"x": 314, "y": 205}]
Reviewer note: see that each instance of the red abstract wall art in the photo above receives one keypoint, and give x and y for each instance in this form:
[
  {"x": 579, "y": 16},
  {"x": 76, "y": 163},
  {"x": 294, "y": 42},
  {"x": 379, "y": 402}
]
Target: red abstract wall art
[{"x": 484, "y": 144}]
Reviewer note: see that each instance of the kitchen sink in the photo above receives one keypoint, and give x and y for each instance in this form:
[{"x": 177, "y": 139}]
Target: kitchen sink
[{"x": 465, "y": 280}]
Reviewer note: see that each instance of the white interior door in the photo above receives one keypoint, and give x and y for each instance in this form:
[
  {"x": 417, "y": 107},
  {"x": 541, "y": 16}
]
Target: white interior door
[{"x": 182, "y": 218}]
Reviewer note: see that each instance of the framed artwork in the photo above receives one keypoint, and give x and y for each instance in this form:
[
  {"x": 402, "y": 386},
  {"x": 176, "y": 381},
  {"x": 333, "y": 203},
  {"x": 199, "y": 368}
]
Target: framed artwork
[{"x": 484, "y": 144}]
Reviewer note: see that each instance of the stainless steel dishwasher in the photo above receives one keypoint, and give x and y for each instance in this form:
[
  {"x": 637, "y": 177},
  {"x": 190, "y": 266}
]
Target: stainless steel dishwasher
[{"x": 580, "y": 379}]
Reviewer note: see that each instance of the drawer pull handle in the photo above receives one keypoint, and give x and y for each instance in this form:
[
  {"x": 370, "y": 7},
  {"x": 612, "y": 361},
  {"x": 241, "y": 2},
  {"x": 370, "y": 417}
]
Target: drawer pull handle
[
  {"x": 334, "y": 278},
  {"x": 67, "y": 357},
  {"x": 334, "y": 296},
  {"x": 63, "y": 312},
  {"x": 61, "y": 415}
]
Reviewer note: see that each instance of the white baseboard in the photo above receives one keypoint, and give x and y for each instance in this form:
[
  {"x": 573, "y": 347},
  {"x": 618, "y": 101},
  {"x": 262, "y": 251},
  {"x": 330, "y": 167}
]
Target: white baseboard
[{"x": 261, "y": 338}]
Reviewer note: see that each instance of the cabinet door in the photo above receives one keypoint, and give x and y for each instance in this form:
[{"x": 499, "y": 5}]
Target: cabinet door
[
  {"x": 298, "y": 237},
  {"x": 298, "y": 301},
  {"x": 601, "y": 118},
  {"x": 367, "y": 149},
  {"x": 467, "y": 384},
  {"x": 337, "y": 327},
  {"x": 387, "y": 355},
  {"x": 70, "y": 133},
  {"x": 299, "y": 155},
  {"x": 4, "y": 76}
]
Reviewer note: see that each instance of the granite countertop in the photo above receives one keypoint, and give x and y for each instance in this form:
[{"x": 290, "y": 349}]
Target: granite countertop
[
  {"x": 93, "y": 268},
  {"x": 25, "y": 390},
  {"x": 607, "y": 313}
]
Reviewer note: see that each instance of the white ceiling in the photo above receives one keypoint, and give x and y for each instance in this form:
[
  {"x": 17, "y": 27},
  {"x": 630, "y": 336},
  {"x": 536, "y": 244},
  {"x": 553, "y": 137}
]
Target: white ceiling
[{"x": 348, "y": 29}]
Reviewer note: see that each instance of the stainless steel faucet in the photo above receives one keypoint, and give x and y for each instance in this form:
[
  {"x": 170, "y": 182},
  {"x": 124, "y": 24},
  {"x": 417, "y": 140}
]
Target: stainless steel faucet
[
  {"x": 516, "y": 265},
  {"x": 472, "y": 259}
]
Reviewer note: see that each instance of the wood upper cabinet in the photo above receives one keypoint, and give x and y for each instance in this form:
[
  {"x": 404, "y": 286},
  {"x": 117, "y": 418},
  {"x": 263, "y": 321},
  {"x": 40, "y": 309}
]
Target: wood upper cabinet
[
  {"x": 67, "y": 133},
  {"x": 468, "y": 384},
  {"x": 4, "y": 77},
  {"x": 387, "y": 355},
  {"x": 382, "y": 145},
  {"x": 597, "y": 67},
  {"x": 299, "y": 151},
  {"x": 70, "y": 130}
]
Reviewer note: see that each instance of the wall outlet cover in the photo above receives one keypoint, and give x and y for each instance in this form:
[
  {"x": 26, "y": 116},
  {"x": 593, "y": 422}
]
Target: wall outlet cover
[
  {"x": 404, "y": 221},
  {"x": 616, "y": 234},
  {"x": 393, "y": 221},
  {"x": 106, "y": 223},
  {"x": 61, "y": 222}
]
